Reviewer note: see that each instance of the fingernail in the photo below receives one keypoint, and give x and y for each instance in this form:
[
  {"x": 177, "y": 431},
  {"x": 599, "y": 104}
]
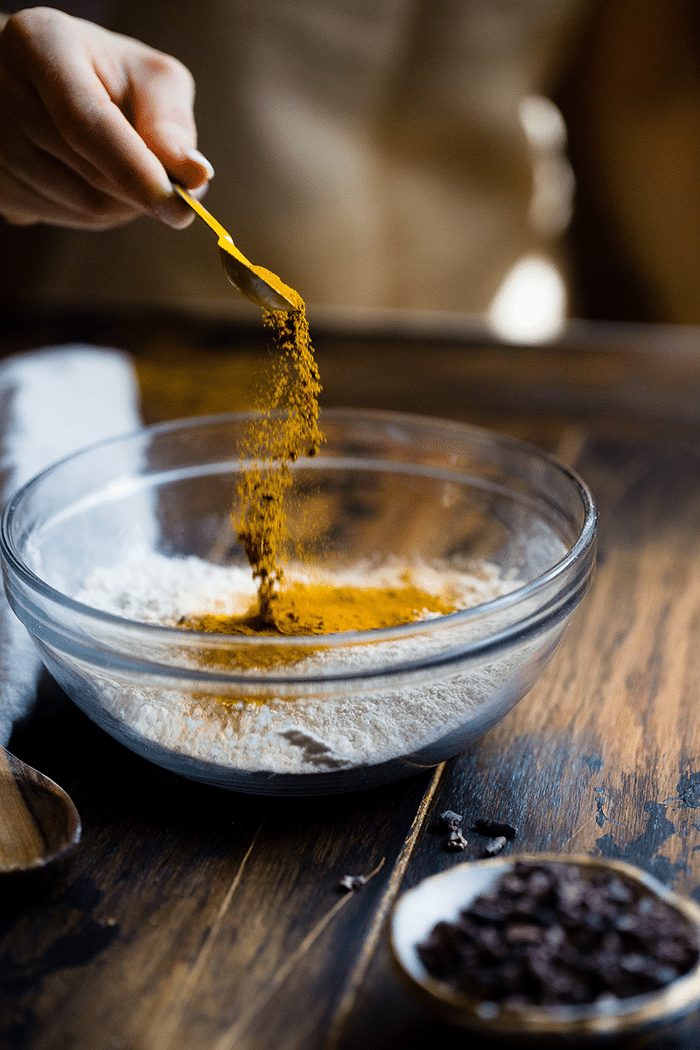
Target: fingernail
[
  {"x": 172, "y": 212},
  {"x": 200, "y": 159}
]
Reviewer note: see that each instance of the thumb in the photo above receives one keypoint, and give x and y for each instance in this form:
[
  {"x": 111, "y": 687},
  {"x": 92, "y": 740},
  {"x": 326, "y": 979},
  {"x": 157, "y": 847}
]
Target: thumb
[{"x": 162, "y": 110}]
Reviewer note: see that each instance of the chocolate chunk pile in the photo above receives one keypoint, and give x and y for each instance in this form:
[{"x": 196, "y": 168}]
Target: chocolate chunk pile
[{"x": 545, "y": 935}]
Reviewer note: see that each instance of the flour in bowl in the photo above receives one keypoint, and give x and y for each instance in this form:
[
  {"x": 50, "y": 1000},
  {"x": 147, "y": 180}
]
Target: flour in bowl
[{"x": 371, "y": 715}]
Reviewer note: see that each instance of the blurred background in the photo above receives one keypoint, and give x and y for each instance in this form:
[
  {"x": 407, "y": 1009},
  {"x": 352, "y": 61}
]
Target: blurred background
[{"x": 415, "y": 163}]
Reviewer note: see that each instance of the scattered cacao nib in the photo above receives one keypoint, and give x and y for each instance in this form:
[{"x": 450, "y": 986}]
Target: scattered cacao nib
[
  {"x": 495, "y": 846},
  {"x": 352, "y": 882},
  {"x": 451, "y": 820},
  {"x": 495, "y": 829},
  {"x": 456, "y": 841},
  {"x": 552, "y": 935}
]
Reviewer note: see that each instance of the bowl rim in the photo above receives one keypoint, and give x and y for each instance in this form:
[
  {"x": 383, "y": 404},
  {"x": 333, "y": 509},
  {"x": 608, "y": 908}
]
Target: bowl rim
[
  {"x": 647, "y": 1009},
  {"x": 584, "y": 541}
]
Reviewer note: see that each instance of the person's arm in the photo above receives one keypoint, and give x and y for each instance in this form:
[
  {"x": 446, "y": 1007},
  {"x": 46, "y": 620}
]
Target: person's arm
[{"x": 92, "y": 124}]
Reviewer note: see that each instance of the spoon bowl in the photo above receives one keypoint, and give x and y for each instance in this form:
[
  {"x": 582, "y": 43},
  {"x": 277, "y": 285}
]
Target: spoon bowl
[
  {"x": 39, "y": 823},
  {"x": 254, "y": 282}
]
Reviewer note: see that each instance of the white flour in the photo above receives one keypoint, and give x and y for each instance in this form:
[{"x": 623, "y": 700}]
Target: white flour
[{"x": 291, "y": 735}]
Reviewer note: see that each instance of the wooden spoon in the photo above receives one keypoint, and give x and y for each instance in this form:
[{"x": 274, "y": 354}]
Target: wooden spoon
[
  {"x": 39, "y": 823},
  {"x": 257, "y": 284}
]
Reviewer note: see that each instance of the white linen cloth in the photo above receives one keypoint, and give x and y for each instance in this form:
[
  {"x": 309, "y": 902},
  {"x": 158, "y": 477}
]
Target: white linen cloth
[{"x": 53, "y": 401}]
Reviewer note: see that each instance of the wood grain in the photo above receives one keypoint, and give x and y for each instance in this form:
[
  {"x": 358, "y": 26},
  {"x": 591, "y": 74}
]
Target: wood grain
[
  {"x": 192, "y": 917},
  {"x": 603, "y": 756}
]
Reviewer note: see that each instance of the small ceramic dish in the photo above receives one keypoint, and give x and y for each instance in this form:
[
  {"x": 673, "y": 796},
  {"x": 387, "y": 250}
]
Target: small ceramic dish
[{"x": 442, "y": 897}]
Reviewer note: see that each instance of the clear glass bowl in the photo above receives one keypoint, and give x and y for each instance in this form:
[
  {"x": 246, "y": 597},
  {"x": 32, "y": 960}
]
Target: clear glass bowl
[{"x": 300, "y": 715}]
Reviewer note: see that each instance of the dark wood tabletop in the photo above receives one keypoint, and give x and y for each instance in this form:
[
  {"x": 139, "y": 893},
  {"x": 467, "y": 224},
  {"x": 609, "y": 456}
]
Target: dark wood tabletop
[{"x": 191, "y": 918}]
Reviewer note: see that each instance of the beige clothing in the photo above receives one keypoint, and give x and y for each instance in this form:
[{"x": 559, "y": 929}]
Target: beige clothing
[
  {"x": 634, "y": 116},
  {"x": 368, "y": 151}
]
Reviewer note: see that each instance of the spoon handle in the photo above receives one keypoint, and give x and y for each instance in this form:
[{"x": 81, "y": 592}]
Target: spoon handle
[
  {"x": 213, "y": 223},
  {"x": 260, "y": 286}
]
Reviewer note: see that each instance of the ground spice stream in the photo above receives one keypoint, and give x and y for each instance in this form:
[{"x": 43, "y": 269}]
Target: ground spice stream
[{"x": 287, "y": 430}]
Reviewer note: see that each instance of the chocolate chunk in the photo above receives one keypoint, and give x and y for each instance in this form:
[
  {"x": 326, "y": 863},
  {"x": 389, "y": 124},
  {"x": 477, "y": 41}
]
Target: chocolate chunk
[
  {"x": 496, "y": 846},
  {"x": 456, "y": 841},
  {"x": 494, "y": 828},
  {"x": 554, "y": 935},
  {"x": 451, "y": 820}
]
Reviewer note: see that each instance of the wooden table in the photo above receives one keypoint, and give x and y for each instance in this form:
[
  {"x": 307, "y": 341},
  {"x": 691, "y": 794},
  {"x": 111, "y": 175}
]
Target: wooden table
[{"x": 195, "y": 919}]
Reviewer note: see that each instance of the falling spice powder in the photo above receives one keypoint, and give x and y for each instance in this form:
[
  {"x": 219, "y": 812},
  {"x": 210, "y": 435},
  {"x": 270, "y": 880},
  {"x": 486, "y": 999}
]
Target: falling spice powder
[
  {"x": 287, "y": 429},
  {"x": 267, "y": 730}
]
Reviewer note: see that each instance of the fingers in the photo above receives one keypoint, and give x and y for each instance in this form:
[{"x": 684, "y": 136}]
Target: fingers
[
  {"x": 161, "y": 100},
  {"x": 34, "y": 187},
  {"x": 23, "y": 206},
  {"x": 91, "y": 125},
  {"x": 43, "y": 180},
  {"x": 90, "y": 108}
]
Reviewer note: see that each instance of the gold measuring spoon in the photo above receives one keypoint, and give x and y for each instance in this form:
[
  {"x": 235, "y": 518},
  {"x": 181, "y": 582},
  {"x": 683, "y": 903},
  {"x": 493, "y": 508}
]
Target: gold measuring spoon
[
  {"x": 254, "y": 282},
  {"x": 39, "y": 823}
]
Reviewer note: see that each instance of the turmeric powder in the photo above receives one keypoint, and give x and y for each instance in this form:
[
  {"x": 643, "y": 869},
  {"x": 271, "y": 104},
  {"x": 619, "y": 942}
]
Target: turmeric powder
[
  {"x": 286, "y": 429},
  {"x": 320, "y": 608},
  {"x": 315, "y": 609}
]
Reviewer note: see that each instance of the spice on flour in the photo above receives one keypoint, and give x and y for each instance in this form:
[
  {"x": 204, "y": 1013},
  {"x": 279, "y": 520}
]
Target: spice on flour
[
  {"x": 286, "y": 430},
  {"x": 280, "y": 733},
  {"x": 322, "y": 608}
]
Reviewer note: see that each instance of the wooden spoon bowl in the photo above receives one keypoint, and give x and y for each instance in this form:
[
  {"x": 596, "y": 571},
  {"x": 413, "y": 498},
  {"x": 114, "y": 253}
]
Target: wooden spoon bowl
[{"x": 39, "y": 823}]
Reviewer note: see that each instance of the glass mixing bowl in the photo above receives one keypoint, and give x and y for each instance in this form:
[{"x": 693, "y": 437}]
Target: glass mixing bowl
[{"x": 98, "y": 549}]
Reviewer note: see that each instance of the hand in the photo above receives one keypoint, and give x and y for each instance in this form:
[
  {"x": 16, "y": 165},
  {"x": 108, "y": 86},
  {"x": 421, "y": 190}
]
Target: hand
[{"x": 91, "y": 125}]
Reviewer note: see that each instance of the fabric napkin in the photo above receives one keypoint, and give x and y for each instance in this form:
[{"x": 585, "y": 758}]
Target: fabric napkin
[{"x": 53, "y": 401}]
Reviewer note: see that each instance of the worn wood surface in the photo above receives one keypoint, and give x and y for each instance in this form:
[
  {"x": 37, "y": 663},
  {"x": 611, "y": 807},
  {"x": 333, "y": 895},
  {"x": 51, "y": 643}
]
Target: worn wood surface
[{"x": 192, "y": 917}]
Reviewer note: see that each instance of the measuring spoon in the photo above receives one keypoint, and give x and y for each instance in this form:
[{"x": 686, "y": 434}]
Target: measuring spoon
[{"x": 254, "y": 282}]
